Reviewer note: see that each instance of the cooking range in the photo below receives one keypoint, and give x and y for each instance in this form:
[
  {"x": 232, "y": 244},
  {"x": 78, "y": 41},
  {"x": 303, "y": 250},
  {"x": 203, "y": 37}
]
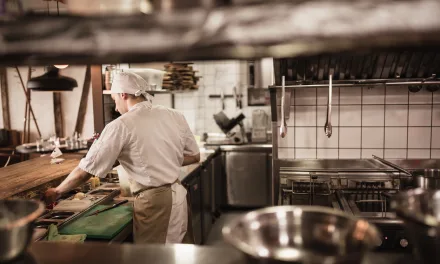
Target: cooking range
[{"x": 363, "y": 193}]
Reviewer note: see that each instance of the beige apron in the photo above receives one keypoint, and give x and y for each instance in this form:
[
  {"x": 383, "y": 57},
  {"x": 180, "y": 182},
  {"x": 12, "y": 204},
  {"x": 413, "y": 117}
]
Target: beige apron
[{"x": 151, "y": 214}]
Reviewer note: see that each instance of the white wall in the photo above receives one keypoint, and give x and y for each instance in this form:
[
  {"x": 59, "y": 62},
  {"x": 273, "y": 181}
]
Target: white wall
[
  {"x": 42, "y": 104},
  {"x": 199, "y": 109},
  {"x": 389, "y": 122}
]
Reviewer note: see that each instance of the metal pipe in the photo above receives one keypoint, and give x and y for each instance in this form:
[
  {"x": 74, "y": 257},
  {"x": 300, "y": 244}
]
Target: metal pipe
[{"x": 392, "y": 165}]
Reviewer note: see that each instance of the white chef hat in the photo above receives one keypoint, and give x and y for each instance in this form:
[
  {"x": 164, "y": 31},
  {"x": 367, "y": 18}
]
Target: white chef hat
[{"x": 129, "y": 83}]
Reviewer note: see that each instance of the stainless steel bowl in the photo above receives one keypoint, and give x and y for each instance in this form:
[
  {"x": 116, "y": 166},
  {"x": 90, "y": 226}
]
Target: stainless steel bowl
[
  {"x": 16, "y": 217},
  {"x": 420, "y": 210},
  {"x": 306, "y": 234}
]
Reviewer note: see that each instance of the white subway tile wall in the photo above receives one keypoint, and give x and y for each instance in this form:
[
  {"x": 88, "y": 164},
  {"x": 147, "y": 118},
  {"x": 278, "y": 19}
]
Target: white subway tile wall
[
  {"x": 388, "y": 122},
  {"x": 199, "y": 109}
]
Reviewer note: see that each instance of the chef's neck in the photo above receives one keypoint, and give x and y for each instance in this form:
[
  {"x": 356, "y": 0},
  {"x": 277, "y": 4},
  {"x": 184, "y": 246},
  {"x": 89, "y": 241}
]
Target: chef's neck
[{"x": 132, "y": 101}]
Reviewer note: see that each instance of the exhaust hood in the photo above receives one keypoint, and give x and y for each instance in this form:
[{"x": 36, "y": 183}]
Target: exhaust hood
[{"x": 391, "y": 67}]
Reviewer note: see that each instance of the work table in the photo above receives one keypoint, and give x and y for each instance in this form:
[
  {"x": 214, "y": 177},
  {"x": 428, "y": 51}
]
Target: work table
[{"x": 34, "y": 173}]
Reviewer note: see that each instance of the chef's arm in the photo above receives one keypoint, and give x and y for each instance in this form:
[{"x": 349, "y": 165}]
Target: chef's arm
[
  {"x": 75, "y": 179},
  {"x": 187, "y": 160}
]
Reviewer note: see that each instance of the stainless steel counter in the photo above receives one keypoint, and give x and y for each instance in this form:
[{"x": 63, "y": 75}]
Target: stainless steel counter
[
  {"x": 243, "y": 147},
  {"x": 334, "y": 165},
  {"x": 54, "y": 253},
  {"x": 417, "y": 164},
  {"x": 205, "y": 156}
]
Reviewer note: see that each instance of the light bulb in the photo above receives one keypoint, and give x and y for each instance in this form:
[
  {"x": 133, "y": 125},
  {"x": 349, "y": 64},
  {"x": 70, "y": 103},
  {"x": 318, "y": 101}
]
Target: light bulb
[{"x": 62, "y": 66}]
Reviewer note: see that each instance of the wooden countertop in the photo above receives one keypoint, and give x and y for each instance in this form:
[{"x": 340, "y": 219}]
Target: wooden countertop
[{"x": 32, "y": 173}]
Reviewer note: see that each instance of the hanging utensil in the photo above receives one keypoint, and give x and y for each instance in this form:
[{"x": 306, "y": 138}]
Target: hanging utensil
[
  {"x": 240, "y": 97},
  {"x": 283, "y": 126},
  {"x": 109, "y": 208},
  {"x": 328, "y": 122},
  {"x": 235, "y": 97},
  {"x": 222, "y": 98}
]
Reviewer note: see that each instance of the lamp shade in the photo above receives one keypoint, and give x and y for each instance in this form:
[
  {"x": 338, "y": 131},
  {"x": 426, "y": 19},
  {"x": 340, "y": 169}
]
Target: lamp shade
[{"x": 52, "y": 81}]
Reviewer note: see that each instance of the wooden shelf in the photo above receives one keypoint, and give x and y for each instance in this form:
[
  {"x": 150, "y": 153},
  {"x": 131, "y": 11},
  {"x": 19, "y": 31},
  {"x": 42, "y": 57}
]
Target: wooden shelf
[{"x": 167, "y": 91}]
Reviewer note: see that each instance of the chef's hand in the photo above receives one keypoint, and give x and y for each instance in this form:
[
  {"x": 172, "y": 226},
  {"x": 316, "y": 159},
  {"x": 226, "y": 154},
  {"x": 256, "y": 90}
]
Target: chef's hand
[{"x": 50, "y": 196}]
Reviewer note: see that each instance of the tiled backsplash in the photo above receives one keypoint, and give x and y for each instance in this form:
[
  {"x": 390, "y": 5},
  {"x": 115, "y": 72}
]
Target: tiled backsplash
[
  {"x": 389, "y": 122},
  {"x": 199, "y": 109}
]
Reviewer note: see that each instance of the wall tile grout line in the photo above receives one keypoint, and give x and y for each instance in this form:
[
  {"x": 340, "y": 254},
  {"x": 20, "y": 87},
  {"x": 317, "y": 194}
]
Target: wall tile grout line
[
  {"x": 357, "y": 148},
  {"x": 364, "y": 104},
  {"x": 302, "y": 126},
  {"x": 294, "y": 123},
  {"x": 317, "y": 126},
  {"x": 362, "y": 116},
  {"x": 384, "y": 122},
  {"x": 407, "y": 128},
  {"x": 432, "y": 118},
  {"x": 339, "y": 122}
]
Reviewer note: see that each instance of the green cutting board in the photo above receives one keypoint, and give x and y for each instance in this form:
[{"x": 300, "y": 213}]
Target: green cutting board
[{"x": 105, "y": 225}]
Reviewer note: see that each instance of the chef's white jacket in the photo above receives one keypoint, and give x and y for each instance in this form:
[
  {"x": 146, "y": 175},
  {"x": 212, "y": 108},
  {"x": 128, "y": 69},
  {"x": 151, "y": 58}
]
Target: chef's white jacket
[{"x": 150, "y": 143}]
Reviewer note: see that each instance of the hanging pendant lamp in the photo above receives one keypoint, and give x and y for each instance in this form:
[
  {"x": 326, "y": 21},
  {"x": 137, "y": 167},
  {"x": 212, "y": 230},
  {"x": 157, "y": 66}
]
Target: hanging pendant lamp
[{"x": 52, "y": 81}]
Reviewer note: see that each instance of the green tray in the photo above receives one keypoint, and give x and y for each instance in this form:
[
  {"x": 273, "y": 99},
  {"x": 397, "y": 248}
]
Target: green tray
[{"x": 105, "y": 225}]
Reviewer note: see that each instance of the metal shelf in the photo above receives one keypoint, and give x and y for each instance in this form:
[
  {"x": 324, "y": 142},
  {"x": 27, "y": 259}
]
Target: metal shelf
[{"x": 166, "y": 91}]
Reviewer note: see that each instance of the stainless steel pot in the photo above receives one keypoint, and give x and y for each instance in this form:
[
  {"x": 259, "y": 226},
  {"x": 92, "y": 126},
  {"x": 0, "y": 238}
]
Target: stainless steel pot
[
  {"x": 306, "y": 234},
  {"x": 420, "y": 210},
  {"x": 16, "y": 217},
  {"x": 428, "y": 179}
]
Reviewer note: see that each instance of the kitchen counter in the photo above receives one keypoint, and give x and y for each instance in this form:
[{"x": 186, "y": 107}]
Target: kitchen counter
[
  {"x": 51, "y": 253},
  {"x": 241, "y": 147},
  {"x": 205, "y": 156},
  {"x": 30, "y": 174}
]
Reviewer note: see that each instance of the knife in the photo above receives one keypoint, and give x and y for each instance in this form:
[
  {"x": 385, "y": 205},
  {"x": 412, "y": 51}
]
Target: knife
[{"x": 108, "y": 208}]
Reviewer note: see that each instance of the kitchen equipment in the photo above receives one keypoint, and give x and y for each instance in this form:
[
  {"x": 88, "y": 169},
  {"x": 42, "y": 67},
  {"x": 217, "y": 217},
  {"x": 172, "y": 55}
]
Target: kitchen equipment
[
  {"x": 259, "y": 125},
  {"x": 102, "y": 226},
  {"x": 420, "y": 210},
  {"x": 361, "y": 188},
  {"x": 425, "y": 179},
  {"x": 283, "y": 125},
  {"x": 328, "y": 122},
  {"x": 16, "y": 229},
  {"x": 308, "y": 234},
  {"x": 227, "y": 125},
  {"x": 392, "y": 165},
  {"x": 108, "y": 208}
]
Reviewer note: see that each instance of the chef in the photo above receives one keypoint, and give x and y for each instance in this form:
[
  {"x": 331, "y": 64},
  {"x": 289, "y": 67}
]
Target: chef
[{"x": 151, "y": 143}]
